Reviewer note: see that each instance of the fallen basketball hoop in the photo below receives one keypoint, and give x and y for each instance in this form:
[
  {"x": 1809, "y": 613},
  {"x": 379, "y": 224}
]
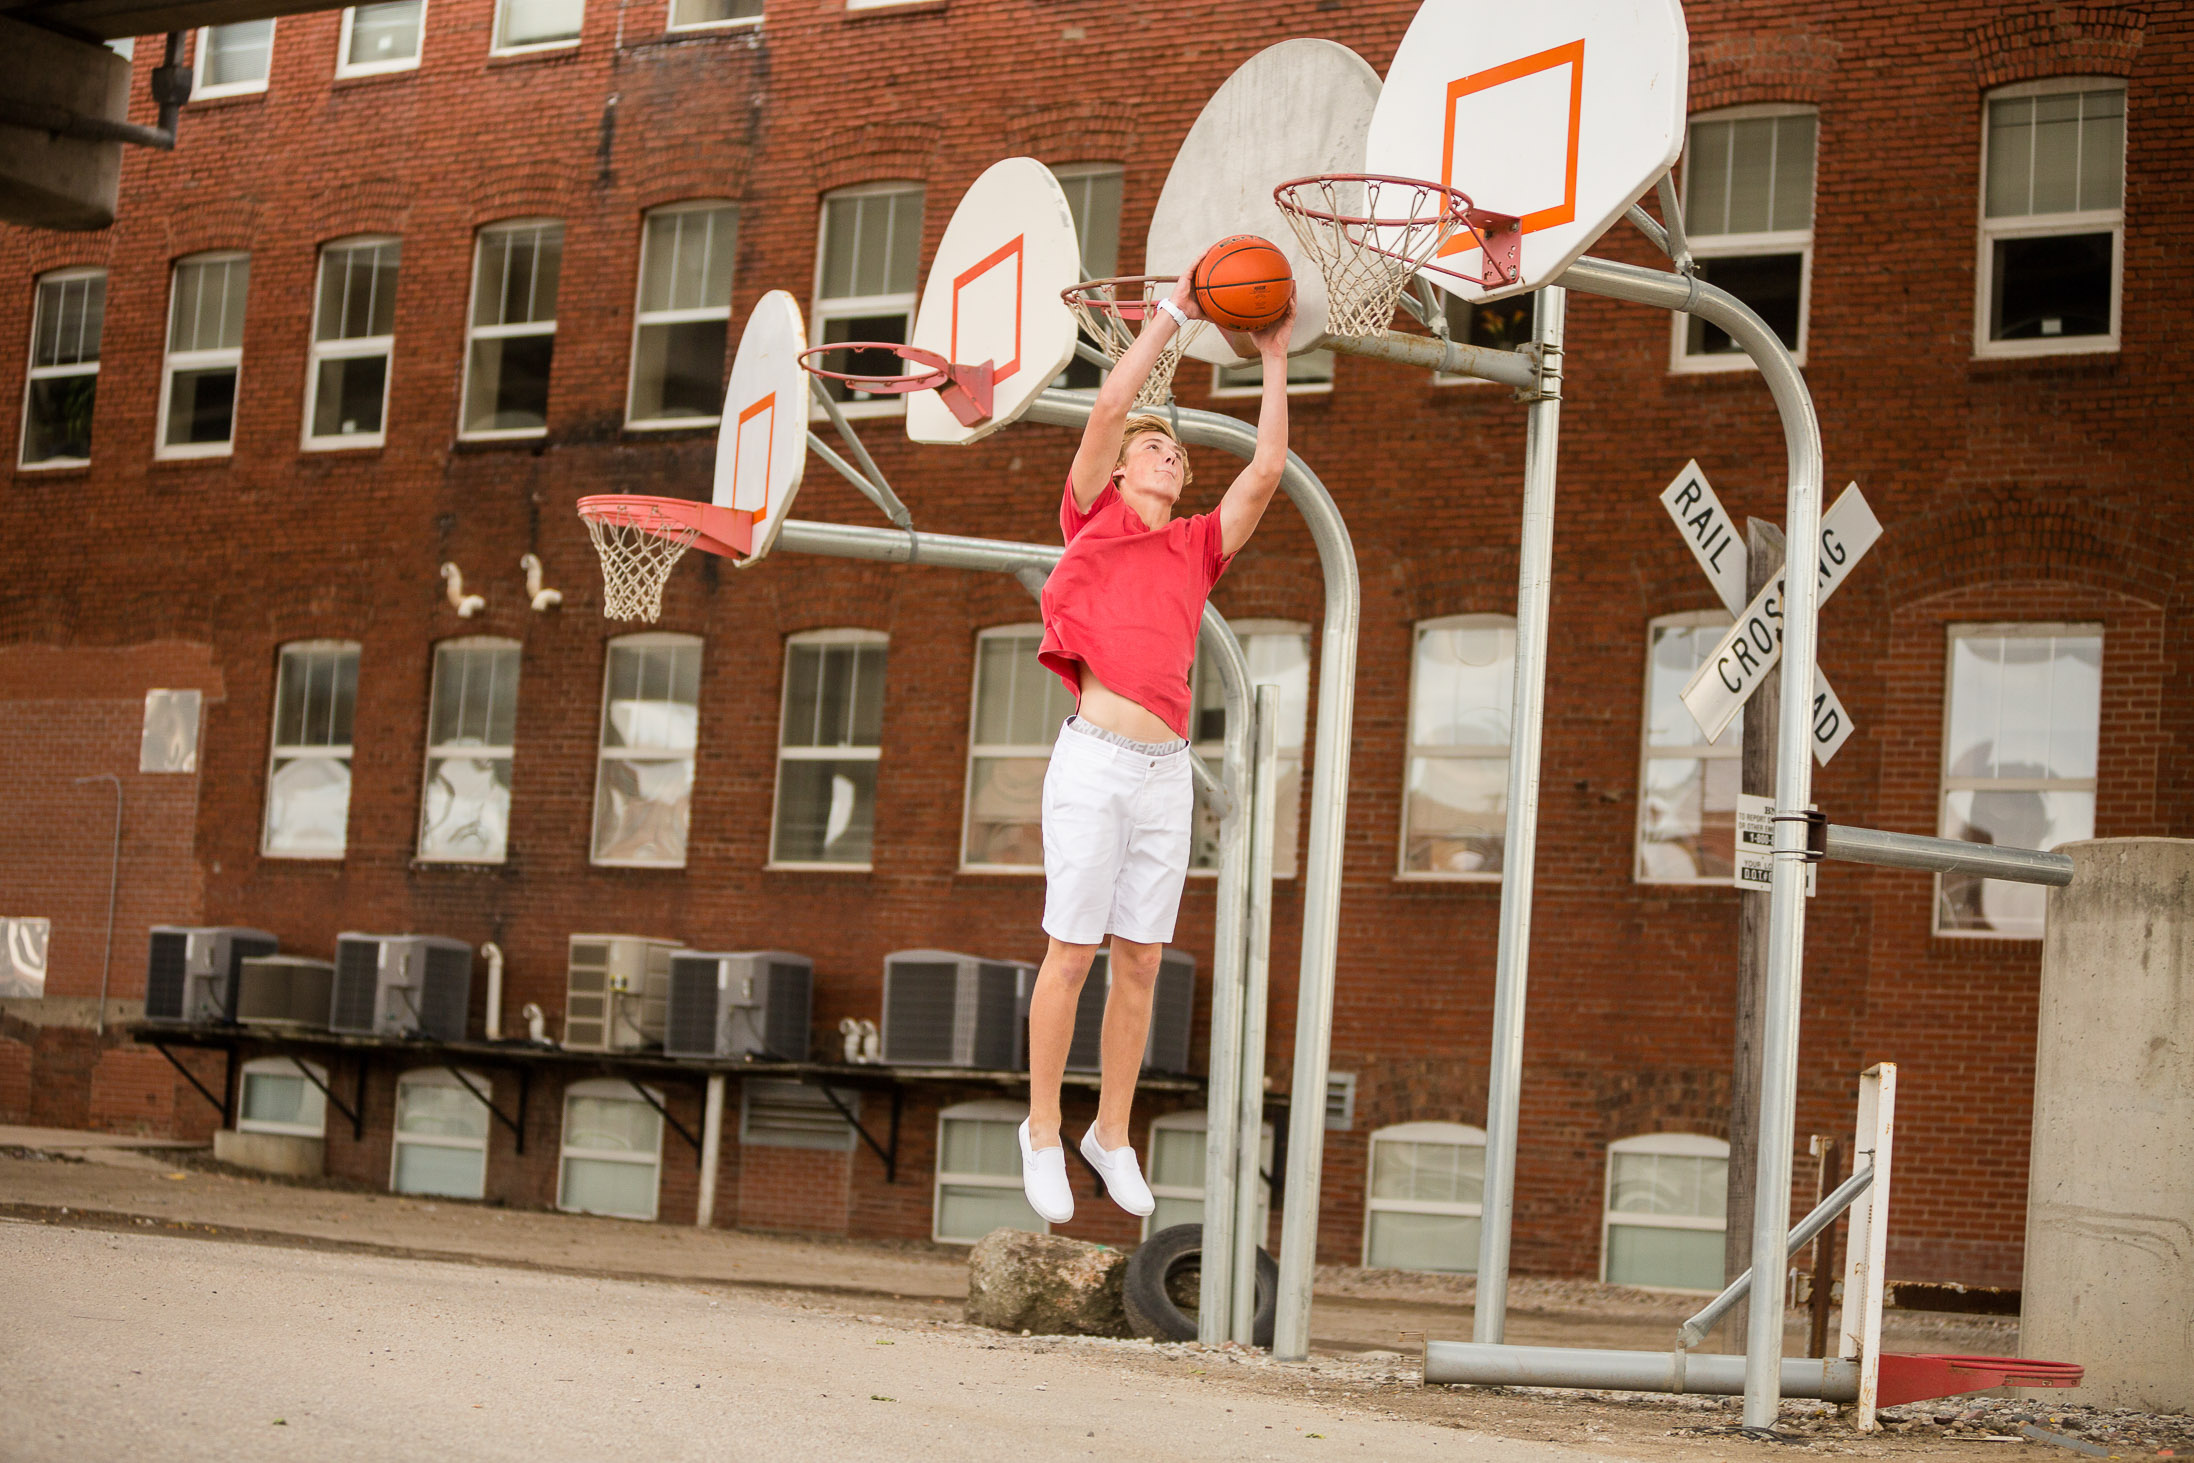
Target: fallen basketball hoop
[{"x": 1917, "y": 1378}]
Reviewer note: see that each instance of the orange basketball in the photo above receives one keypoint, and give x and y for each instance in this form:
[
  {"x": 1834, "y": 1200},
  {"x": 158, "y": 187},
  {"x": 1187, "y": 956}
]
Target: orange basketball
[{"x": 1242, "y": 283}]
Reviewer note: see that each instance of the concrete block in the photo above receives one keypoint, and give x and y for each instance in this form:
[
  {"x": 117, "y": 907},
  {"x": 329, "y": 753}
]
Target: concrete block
[
  {"x": 60, "y": 182},
  {"x": 282, "y": 1153}
]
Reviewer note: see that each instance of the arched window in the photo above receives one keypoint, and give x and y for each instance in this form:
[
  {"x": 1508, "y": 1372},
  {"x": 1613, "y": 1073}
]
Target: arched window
[
  {"x": 205, "y": 356},
  {"x": 441, "y": 1135},
  {"x": 1462, "y": 689},
  {"x": 472, "y": 718},
  {"x": 308, "y": 764},
  {"x": 1667, "y": 1200},
  {"x": 1177, "y": 1171},
  {"x": 979, "y": 1174},
  {"x": 830, "y": 736},
  {"x": 683, "y": 319},
  {"x": 353, "y": 338},
  {"x": 612, "y": 1156},
  {"x": 2052, "y": 227},
  {"x": 517, "y": 267},
  {"x": 1687, "y": 785},
  {"x": 1424, "y": 1198},
  {"x": 69, "y": 312},
  {"x": 277, "y": 1097},
  {"x": 651, "y": 721}
]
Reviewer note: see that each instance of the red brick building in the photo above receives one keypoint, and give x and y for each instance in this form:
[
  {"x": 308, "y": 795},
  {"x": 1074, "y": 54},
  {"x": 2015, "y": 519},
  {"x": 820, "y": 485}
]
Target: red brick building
[{"x": 1963, "y": 217}]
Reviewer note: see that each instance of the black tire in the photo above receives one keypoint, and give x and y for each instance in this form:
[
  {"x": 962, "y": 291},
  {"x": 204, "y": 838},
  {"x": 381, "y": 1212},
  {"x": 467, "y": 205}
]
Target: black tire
[{"x": 1165, "y": 1269}]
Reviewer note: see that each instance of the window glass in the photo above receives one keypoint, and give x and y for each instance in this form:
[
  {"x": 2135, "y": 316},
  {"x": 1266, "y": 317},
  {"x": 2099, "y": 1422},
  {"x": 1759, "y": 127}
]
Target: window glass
[
  {"x": 275, "y": 1096},
  {"x": 2021, "y": 735},
  {"x": 684, "y": 315},
  {"x": 1424, "y": 1198},
  {"x": 685, "y": 13},
  {"x": 1667, "y": 1205},
  {"x": 308, "y": 780},
  {"x": 1093, "y": 197},
  {"x": 381, "y": 37},
  {"x": 829, "y": 743},
  {"x": 1176, "y": 1175},
  {"x": 1748, "y": 211},
  {"x": 471, "y": 723},
  {"x": 1687, "y": 805},
  {"x": 441, "y": 1136},
  {"x": 68, "y": 314},
  {"x": 1462, "y": 691},
  {"x": 234, "y": 58},
  {"x": 205, "y": 354},
  {"x": 516, "y": 272},
  {"x": 979, "y": 1175},
  {"x": 650, "y": 727},
  {"x": 1019, "y": 708},
  {"x": 612, "y": 1151},
  {"x": 867, "y": 272},
  {"x": 537, "y": 22},
  {"x": 354, "y": 324},
  {"x": 2052, "y": 217},
  {"x": 1279, "y": 655}
]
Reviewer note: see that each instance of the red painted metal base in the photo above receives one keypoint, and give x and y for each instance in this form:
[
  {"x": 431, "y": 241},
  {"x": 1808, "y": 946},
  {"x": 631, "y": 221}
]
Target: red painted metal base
[{"x": 1917, "y": 1378}]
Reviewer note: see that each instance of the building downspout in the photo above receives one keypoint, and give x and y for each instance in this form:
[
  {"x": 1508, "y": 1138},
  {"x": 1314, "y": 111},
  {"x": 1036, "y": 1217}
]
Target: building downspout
[{"x": 493, "y": 954}]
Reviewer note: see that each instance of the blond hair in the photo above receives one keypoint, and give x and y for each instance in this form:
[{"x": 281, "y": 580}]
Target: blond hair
[{"x": 1143, "y": 424}]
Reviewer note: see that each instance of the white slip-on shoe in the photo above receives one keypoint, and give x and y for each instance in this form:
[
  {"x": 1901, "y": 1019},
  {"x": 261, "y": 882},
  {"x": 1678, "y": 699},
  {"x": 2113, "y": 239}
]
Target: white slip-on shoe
[
  {"x": 1123, "y": 1176},
  {"x": 1044, "y": 1180}
]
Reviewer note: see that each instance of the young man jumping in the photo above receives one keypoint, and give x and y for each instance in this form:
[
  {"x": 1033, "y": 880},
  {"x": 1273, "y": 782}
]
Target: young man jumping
[{"x": 1121, "y": 614}]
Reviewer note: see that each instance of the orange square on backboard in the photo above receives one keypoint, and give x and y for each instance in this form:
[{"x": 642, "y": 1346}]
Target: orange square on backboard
[
  {"x": 1546, "y": 216},
  {"x": 752, "y": 436},
  {"x": 1011, "y": 252}
]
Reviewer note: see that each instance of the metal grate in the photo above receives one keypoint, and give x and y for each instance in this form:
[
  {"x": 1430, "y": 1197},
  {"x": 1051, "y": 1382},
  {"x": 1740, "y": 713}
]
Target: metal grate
[
  {"x": 691, "y": 1029},
  {"x": 921, "y": 998},
  {"x": 357, "y": 985},
  {"x": 998, "y": 1024},
  {"x": 442, "y": 1005},
  {"x": 791, "y": 996},
  {"x": 1172, "y": 1013},
  {"x": 164, "y": 975},
  {"x": 793, "y": 1115}
]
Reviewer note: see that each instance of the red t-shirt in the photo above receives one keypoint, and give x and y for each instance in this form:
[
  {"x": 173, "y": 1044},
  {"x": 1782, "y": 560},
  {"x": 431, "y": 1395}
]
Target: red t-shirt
[{"x": 1128, "y": 599}]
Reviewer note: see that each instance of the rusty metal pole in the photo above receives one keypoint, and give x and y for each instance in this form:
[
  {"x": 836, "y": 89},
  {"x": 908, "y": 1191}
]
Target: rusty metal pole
[{"x": 1828, "y": 1173}]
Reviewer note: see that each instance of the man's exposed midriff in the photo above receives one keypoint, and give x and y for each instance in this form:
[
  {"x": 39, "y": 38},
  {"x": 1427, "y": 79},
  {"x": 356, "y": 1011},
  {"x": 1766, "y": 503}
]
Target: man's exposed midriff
[{"x": 1102, "y": 706}]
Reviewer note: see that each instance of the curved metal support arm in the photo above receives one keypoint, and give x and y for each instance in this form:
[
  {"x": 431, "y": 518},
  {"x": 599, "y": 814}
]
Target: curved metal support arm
[{"x": 870, "y": 479}]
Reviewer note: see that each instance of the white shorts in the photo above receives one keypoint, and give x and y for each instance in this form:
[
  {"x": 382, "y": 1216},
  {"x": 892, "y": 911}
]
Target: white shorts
[{"x": 1116, "y": 836}]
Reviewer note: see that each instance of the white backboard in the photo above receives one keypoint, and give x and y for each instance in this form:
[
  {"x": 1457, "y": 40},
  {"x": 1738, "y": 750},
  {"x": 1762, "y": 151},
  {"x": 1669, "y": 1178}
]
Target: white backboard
[
  {"x": 1293, "y": 110},
  {"x": 1560, "y": 112},
  {"x": 762, "y": 446},
  {"x": 993, "y": 295}
]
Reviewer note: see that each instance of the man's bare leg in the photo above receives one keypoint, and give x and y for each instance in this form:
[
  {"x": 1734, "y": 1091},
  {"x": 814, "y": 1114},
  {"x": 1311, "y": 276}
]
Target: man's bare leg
[
  {"x": 1051, "y": 1009},
  {"x": 1127, "y": 1032}
]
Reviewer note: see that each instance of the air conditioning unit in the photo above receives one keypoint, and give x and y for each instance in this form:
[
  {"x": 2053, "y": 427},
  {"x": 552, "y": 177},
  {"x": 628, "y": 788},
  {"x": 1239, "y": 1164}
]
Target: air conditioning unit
[
  {"x": 942, "y": 1009},
  {"x": 747, "y": 1003},
  {"x": 617, "y": 992},
  {"x": 191, "y": 972},
  {"x": 285, "y": 990},
  {"x": 401, "y": 985},
  {"x": 1172, "y": 1012}
]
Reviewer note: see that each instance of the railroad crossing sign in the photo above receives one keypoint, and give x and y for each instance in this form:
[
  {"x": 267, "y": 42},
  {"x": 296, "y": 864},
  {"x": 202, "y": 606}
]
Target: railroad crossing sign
[{"x": 1754, "y": 644}]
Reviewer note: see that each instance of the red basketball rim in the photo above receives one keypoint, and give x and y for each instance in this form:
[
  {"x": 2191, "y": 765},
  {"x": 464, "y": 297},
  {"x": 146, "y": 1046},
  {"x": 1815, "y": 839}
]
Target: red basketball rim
[{"x": 936, "y": 370}]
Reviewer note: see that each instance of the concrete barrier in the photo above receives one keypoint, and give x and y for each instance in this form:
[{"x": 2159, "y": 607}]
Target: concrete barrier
[
  {"x": 282, "y": 1153},
  {"x": 2110, "y": 1193}
]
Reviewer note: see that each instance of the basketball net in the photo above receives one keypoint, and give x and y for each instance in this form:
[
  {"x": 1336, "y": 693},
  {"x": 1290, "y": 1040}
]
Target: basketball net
[
  {"x": 1113, "y": 312},
  {"x": 1368, "y": 253},
  {"x": 639, "y": 548}
]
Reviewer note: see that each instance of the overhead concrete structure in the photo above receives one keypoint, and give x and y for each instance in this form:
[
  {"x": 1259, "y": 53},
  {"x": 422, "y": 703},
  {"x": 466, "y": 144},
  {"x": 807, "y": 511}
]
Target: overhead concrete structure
[{"x": 2110, "y": 1196}]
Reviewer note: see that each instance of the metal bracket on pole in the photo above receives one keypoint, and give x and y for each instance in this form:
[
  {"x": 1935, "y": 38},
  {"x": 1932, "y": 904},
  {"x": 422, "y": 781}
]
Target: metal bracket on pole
[
  {"x": 1672, "y": 212},
  {"x": 191, "y": 1077},
  {"x": 692, "y": 1141},
  {"x": 870, "y": 478},
  {"x": 889, "y": 1157},
  {"x": 516, "y": 1126}
]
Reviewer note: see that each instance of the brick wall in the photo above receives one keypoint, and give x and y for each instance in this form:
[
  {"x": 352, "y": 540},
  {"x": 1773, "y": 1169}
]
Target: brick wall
[{"x": 2027, "y": 489}]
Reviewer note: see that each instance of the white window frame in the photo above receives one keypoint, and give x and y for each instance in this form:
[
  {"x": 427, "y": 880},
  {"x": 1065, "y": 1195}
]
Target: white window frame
[
  {"x": 345, "y": 69},
  {"x": 354, "y": 348},
  {"x": 1946, "y": 785},
  {"x": 840, "y": 1141},
  {"x": 1727, "y": 246},
  {"x": 1411, "y": 753},
  {"x": 977, "y": 751},
  {"x": 473, "y": 332},
  {"x": 1074, "y": 179},
  {"x": 1214, "y": 752},
  {"x": 1197, "y": 1119},
  {"x": 283, "y": 1067},
  {"x": 823, "y": 311},
  {"x": 1673, "y": 1145},
  {"x": 345, "y": 752},
  {"x": 613, "y": 1089},
  {"x": 1697, "y": 751},
  {"x": 604, "y": 753},
  {"x": 737, "y": 22},
  {"x": 1222, "y": 389},
  {"x": 496, "y": 47},
  {"x": 35, "y": 373},
  {"x": 172, "y": 361},
  {"x": 847, "y": 753},
  {"x": 201, "y": 92},
  {"x": 2045, "y": 225},
  {"x": 988, "y": 1110},
  {"x": 641, "y": 319},
  {"x": 444, "y": 751},
  {"x": 398, "y": 1138},
  {"x": 1459, "y": 1135}
]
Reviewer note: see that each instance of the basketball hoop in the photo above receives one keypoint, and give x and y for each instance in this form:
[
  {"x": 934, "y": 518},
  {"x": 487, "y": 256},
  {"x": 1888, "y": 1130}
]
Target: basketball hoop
[
  {"x": 641, "y": 539},
  {"x": 964, "y": 389},
  {"x": 1368, "y": 249},
  {"x": 1113, "y": 312}
]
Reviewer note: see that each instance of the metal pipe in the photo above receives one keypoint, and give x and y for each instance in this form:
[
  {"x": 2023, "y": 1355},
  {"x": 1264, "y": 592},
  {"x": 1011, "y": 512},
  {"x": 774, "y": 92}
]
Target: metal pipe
[
  {"x": 1824, "y": 1214},
  {"x": 877, "y": 487},
  {"x": 1449, "y": 357},
  {"x": 899, "y": 546},
  {"x": 493, "y": 953},
  {"x": 1831, "y": 1379},
  {"x": 1947, "y": 856},
  {"x": 1678, "y": 246},
  {"x": 1794, "y": 769},
  {"x": 1512, "y": 963},
  {"x": 1249, "y": 1096},
  {"x": 114, "y": 888},
  {"x": 712, "y": 1144},
  {"x": 1321, "y": 864}
]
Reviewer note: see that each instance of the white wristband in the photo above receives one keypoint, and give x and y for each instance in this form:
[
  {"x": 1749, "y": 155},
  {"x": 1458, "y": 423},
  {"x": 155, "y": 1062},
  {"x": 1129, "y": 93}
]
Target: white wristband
[{"x": 1180, "y": 316}]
